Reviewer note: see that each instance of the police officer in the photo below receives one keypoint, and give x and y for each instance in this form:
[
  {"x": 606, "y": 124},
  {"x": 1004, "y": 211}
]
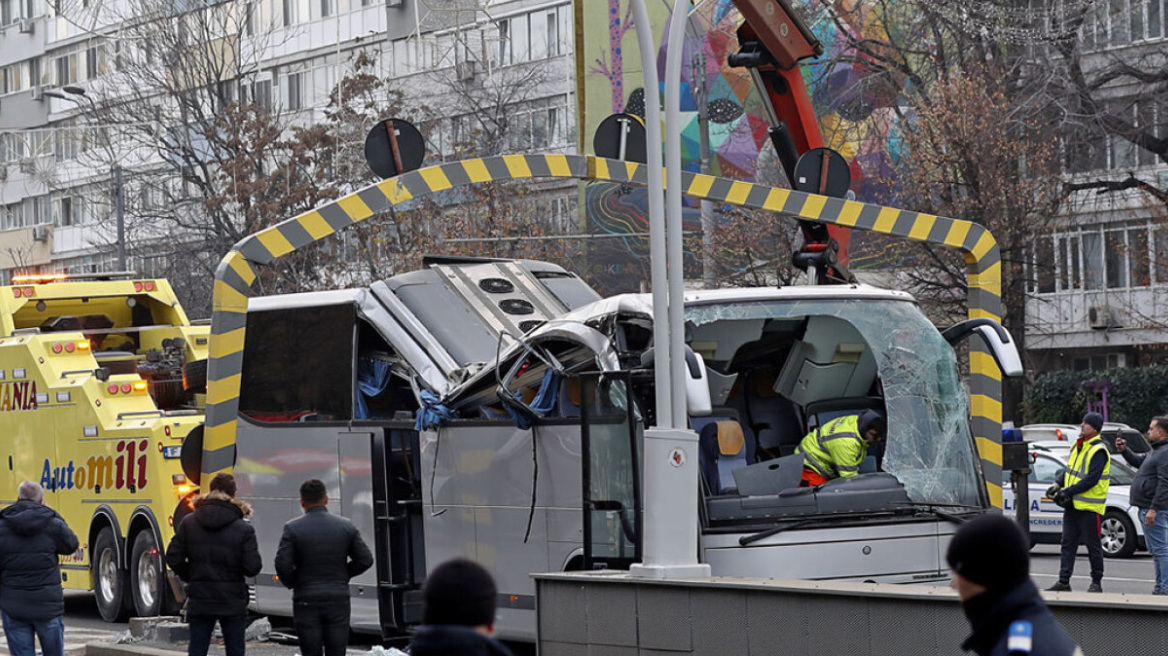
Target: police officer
[
  {"x": 1083, "y": 497},
  {"x": 836, "y": 449},
  {"x": 990, "y": 559}
]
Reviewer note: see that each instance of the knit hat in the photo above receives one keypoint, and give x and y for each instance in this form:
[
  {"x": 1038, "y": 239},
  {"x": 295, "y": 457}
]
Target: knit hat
[
  {"x": 991, "y": 551},
  {"x": 459, "y": 592},
  {"x": 872, "y": 419},
  {"x": 1094, "y": 420}
]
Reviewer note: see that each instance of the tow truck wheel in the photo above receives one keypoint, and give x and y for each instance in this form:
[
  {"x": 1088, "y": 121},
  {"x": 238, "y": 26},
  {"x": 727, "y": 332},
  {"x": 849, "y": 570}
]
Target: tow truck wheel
[
  {"x": 148, "y": 577},
  {"x": 1118, "y": 535},
  {"x": 109, "y": 579}
]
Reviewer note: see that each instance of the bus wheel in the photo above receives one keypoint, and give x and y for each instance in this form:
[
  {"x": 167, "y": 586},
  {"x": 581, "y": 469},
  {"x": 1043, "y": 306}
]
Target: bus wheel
[
  {"x": 148, "y": 576},
  {"x": 109, "y": 579}
]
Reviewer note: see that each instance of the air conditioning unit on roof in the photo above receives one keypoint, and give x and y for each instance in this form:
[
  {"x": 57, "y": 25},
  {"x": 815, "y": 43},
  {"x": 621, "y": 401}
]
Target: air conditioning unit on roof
[{"x": 1100, "y": 317}]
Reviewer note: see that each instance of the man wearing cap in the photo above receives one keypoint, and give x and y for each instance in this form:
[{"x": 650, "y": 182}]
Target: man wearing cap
[
  {"x": 1083, "y": 497},
  {"x": 836, "y": 449},
  {"x": 990, "y": 559},
  {"x": 458, "y": 613}
]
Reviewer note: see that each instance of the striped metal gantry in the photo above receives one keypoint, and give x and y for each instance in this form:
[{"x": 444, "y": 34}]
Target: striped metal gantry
[{"x": 237, "y": 271}]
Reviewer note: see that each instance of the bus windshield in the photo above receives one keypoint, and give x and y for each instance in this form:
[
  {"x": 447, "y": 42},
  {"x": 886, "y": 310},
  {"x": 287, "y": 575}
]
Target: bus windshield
[{"x": 929, "y": 446}]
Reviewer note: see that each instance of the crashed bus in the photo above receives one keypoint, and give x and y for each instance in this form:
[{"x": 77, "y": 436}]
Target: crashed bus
[{"x": 494, "y": 409}]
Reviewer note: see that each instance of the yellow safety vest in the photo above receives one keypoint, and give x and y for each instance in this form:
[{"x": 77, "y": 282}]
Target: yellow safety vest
[
  {"x": 1094, "y": 499},
  {"x": 835, "y": 449}
]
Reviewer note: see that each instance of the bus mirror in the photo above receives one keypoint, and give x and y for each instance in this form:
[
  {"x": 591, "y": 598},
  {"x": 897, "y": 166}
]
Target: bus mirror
[{"x": 1002, "y": 347}]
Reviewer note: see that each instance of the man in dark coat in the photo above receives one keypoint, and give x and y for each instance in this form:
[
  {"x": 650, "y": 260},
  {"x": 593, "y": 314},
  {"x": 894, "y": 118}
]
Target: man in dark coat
[
  {"x": 32, "y": 536},
  {"x": 1149, "y": 493},
  {"x": 990, "y": 559},
  {"x": 458, "y": 613},
  {"x": 213, "y": 550},
  {"x": 318, "y": 554}
]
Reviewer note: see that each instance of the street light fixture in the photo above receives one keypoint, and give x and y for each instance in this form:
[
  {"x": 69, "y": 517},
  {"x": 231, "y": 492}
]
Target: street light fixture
[{"x": 76, "y": 92}]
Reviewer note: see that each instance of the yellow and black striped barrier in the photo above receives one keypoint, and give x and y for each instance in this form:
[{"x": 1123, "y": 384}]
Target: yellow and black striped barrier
[{"x": 237, "y": 270}]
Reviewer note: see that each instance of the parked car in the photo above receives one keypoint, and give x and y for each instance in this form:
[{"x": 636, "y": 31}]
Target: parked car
[
  {"x": 1068, "y": 433},
  {"x": 1122, "y": 530}
]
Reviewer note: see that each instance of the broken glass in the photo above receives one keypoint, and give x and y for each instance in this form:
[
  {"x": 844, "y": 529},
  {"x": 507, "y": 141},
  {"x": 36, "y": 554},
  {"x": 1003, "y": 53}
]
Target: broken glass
[{"x": 929, "y": 447}]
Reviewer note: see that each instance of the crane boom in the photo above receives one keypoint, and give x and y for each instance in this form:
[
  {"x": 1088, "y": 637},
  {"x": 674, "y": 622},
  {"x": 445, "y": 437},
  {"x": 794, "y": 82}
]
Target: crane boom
[{"x": 774, "y": 39}]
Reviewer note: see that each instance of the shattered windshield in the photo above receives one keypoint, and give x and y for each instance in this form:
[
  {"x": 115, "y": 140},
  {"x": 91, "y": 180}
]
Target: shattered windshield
[{"x": 929, "y": 447}]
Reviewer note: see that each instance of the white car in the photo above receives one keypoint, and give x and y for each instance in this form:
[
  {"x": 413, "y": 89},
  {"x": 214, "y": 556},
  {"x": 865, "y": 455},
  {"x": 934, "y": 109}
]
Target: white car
[
  {"x": 1068, "y": 433},
  {"x": 1122, "y": 530}
]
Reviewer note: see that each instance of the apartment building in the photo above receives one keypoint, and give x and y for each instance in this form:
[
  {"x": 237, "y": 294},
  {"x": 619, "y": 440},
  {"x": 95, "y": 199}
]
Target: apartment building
[
  {"x": 1099, "y": 283},
  {"x": 60, "y": 59}
]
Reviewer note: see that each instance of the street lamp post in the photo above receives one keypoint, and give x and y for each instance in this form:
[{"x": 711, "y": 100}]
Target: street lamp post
[{"x": 76, "y": 92}]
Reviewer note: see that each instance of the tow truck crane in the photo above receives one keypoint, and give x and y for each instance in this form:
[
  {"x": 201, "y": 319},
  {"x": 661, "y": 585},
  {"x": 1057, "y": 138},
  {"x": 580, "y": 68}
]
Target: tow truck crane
[{"x": 773, "y": 40}]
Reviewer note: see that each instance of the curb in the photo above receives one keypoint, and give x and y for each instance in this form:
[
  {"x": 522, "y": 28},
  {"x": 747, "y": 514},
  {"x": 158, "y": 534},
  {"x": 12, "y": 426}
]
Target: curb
[{"x": 110, "y": 649}]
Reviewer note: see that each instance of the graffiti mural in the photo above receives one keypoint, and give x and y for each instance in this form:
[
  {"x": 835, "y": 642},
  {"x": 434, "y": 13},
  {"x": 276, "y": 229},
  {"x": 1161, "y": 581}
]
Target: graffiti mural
[{"x": 856, "y": 104}]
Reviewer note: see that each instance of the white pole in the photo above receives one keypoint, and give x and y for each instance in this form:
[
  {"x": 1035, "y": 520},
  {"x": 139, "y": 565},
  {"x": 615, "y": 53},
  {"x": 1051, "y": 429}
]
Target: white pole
[
  {"x": 671, "y": 449},
  {"x": 674, "y": 256},
  {"x": 657, "y": 252}
]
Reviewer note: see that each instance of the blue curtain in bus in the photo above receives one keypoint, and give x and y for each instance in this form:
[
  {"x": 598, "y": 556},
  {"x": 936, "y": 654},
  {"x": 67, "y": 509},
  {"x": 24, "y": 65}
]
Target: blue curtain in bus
[
  {"x": 432, "y": 412},
  {"x": 543, "y": 403},
  {"x": 372, "y": 379}
]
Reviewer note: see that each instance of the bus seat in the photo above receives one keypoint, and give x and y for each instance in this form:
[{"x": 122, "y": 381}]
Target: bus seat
[
  {"x": 731, "y": 453},
  {"x": 570, "y": 397},
  {"x": 723, "y": 447}
]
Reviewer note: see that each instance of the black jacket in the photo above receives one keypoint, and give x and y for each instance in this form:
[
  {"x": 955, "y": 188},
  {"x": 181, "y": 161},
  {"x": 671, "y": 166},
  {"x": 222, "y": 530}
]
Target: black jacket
[
  {"x": 318, "y": 554},
  {"x": 31, "y": 538},
  {"x": 213, "y": 550},
  {"x": 454, "y": 641},
  {"x": 992, "y": 612},
  {"x": 1149, "y": 489}
]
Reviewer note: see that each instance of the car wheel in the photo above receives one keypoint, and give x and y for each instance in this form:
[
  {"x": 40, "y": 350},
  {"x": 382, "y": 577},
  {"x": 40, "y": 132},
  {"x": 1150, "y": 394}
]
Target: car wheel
[
  {"x": 109, "y": 579},
  {"x": 1118, "y": 535},
  {"x": 148, "y": 584}
]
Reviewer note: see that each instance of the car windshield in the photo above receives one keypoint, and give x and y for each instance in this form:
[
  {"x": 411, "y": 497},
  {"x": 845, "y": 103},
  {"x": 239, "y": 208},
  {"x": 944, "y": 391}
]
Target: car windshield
[{"x": 929, "y": 446}]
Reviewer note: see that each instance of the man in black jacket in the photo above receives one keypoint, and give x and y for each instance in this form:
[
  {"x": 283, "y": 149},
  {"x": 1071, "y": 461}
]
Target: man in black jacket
[
  {"x": 990, "y": 559},
  {"x": 458, "y": 612},
  {"x": 318, "y": 554},
  {"x": 1082, "y": 494},
  {"x": 213, "y": 550},
  {"x": 32, "y": 535},
  {"x": 1149, "y": 493}
]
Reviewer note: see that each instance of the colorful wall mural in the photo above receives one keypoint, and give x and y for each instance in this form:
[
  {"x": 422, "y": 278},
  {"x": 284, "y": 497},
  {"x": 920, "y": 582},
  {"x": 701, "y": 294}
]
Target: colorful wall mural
[{"x": 856, "y": 105}]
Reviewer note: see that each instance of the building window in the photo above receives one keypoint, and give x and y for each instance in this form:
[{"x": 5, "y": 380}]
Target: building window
[
  {"x": 292, "y": 92},
  {"x": 327, "y": 8}
]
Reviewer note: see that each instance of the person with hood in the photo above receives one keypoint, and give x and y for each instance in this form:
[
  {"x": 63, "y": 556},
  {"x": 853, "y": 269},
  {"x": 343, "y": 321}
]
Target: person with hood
[
  {"x": 32, "y": 536},
  {"x": 213, "y": 550},
  {"x": 990, "y": 559},
  {"x": 458, "y": 613},
  {"x": 836, "y": 449}
]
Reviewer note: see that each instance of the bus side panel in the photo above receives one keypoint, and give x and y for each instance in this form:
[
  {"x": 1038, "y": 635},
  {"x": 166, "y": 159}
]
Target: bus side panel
[
  {"x": 482, "y": 498},
  {"x": 885, "y": 553},
  {"x": 271, "y": 463},
  {"x": 356, "y": 499}
]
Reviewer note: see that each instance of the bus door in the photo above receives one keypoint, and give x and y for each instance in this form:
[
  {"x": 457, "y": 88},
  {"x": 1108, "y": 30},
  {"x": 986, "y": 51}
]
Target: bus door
[
  {"x": 611, "y": 437},
  {"x": 398, "y": 546},
  {"x": 357, "y": 475}
]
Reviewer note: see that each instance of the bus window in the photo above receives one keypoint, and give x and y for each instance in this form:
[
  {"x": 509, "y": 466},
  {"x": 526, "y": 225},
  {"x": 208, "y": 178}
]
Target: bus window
[{"x": 298, "y": 364}]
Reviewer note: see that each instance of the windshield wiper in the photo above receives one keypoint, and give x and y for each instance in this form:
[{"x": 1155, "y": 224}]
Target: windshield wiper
[
  {"x": 774, "y": 530},
  {"x": 936, "y": 509}
]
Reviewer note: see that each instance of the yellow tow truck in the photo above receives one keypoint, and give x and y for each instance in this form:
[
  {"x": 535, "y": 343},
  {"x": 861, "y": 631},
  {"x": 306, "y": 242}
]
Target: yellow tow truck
[{"x": 94, "y": 406}]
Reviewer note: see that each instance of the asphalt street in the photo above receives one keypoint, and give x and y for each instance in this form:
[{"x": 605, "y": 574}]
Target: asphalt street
[{"x": 83, "y": 624}]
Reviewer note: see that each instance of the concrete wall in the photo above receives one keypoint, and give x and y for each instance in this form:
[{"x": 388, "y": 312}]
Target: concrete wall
[{"x": 608, "y": 613}]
